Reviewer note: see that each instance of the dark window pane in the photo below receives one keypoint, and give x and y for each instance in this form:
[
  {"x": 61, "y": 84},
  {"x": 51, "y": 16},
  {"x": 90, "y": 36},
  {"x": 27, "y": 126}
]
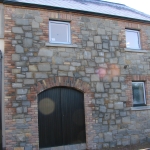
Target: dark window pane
[{"x": 138, "y": 93}]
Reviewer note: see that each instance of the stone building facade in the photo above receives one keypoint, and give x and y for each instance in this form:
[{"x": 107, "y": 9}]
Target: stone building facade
[{"x": 96, "y": 63}]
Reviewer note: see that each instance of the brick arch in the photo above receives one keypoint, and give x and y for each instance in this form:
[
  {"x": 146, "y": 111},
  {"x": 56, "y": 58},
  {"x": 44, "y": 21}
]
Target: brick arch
[
  {"x": 62, "y": 81},
  {"x": 77, "y": 84}
]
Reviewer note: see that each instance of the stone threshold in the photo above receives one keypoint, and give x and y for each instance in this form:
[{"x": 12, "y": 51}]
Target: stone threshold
[
  {"x": 81, "y": 146},
  {"x": 61, "y": 45},
  {"x": 135, "y": 50},
  {"x": 140, "y": 108}
]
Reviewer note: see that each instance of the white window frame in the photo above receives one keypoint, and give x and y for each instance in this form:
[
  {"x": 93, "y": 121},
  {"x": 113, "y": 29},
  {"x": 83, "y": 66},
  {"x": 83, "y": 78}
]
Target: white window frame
[
  {"x": 144, "y": 90},
  {"x": 139, "y": 40},
  {"x": 68, "y": 32}
]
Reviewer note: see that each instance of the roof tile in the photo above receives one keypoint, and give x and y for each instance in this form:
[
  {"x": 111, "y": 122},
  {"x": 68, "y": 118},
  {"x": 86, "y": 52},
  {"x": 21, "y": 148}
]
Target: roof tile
[{"x": 93, "y": 6}]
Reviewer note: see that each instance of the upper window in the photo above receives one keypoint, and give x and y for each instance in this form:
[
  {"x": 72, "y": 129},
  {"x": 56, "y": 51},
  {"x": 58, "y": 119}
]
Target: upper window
[
  {"x": 59, "y": 32},
  {"x": 138, "y": 90},
  {"x": 133, "y": 39}
]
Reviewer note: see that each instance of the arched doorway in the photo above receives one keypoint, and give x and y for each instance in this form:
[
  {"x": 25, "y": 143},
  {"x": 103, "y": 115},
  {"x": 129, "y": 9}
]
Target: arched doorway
[{"x": 61, "y": 117}]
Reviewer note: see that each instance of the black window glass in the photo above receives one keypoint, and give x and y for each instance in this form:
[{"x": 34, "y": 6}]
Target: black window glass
[{"x": 138, "y": 93}]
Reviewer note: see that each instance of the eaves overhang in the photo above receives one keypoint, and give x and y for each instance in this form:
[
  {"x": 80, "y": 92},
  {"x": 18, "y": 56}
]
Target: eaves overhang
[{"x": 7, "y": 2}]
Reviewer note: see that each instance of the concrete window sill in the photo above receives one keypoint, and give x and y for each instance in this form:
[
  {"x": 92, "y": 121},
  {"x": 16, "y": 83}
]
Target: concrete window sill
[
  {"x": 140, "y": 108},
  {"x": 135, "y": 50},
  {"x": 61, "y": 45}
]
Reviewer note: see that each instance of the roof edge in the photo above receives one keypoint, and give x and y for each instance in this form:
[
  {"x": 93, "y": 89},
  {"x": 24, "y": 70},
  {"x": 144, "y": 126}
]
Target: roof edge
[
  {"x": 113, "y": 2},
  {"x": 72, "y": 10}
]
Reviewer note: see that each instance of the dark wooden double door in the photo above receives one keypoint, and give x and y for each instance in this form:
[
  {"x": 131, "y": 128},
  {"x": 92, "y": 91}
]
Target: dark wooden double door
[{"x": 61, "y": 117}]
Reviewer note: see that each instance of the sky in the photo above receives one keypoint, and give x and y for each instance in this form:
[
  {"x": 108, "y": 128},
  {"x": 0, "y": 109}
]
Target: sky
[{"x": 141, "y": 5}]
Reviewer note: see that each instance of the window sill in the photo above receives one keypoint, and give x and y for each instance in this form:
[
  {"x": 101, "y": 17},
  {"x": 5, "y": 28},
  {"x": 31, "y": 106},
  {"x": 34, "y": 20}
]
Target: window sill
[
  {"x": 61, "y": 45},
  {"x": 140, "y": 108},
  {"x": 135, "y": 50}
]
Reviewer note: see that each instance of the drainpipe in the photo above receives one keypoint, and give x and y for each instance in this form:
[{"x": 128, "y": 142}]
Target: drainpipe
[{"x": 0, "y": 99}]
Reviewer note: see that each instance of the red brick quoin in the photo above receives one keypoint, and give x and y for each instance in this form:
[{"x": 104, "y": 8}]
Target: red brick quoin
[
  {"x": 67, "y": 82},
  {"x": 143, "y": 78}
]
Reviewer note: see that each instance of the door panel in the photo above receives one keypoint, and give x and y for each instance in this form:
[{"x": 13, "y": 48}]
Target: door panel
[
  {"x": 61, "y": 117},
  {"x": 73, "y": 116},
  {"x": 50, "y": 127}
]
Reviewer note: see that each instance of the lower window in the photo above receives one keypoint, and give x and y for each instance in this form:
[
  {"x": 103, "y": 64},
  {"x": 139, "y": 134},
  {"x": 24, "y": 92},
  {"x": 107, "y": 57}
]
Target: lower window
[{"x": 138, "y": 90}]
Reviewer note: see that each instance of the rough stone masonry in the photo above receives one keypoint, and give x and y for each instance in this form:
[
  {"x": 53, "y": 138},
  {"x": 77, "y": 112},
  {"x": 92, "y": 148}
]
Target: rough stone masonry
[{"x": 97, "y": 61}]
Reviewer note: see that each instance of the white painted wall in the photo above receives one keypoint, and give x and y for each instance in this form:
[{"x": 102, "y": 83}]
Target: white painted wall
[
  {"x": 3, "y": 119},
  {"x": 1, "y": 21}
]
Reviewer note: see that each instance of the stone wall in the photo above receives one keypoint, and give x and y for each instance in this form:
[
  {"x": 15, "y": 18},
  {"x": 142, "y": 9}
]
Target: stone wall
[{"x": 98, "y": 61}]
